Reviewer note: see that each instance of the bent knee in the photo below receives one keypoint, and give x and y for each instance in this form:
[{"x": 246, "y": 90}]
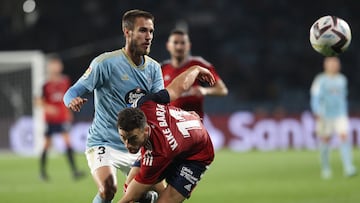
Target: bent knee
[{"x": 108, "y": 192}]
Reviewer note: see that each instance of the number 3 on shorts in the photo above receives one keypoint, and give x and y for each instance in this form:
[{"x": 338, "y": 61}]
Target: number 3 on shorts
[{"x": 101, "y": 150}]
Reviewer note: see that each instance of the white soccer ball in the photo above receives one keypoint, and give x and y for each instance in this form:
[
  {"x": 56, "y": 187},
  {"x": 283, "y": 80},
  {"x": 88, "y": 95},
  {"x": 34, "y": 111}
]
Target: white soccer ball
[{"x": 330, "y": 35}]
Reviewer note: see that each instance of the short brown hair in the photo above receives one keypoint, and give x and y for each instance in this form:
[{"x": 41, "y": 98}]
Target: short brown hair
[
  {"x": 129, "y": 17},
  {"x": 178, "y": 32},
  {"x": 130, "y": 119}
]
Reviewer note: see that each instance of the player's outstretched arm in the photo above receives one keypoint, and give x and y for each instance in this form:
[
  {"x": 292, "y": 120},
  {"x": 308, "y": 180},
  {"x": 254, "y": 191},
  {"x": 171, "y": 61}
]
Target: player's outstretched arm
[
  {"x": 185, "y": 80},
  {"x": 72, "y": 98},
  {"x": 134, "y": 192}
]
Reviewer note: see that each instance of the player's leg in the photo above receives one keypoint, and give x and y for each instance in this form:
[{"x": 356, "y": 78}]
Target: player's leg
[
  {"x": 106, "y": 181},
  {"x": 323, "y": 131},
  {"x": 341, "y": 126},
  {"x": 171, "y": 195},
  {"x": 103, "y": 172},
  {"x": 70, "y": 152},
  {"x": 182, "y": 178},
  {"x": 43, "y": 158}
]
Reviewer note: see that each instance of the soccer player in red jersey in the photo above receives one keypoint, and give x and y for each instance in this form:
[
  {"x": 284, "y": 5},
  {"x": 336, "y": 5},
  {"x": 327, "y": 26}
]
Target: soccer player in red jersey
[
  {"x": 174, "y": 143},
  {"x": 57, "y": 116},
  {"x": 179, "y": 47}
]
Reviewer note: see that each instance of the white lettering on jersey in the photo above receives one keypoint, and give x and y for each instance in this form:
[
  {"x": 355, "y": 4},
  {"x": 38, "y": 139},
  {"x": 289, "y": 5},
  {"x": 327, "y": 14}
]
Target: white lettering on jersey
[
  {"x": 170, "y": 138},
  {"x": 160, "y": 115}
]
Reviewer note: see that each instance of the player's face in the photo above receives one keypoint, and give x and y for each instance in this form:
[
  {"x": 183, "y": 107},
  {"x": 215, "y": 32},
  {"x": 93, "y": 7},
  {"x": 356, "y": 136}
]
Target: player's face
[
  {"x": 332, "y": 65},
  {"x": 178, "y": 46},
  {"x": 141, "y": 36},
  {"x": 55, "y": 67},
  {"x": 134, "y": 139}
]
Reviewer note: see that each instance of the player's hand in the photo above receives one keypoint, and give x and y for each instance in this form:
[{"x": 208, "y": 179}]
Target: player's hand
[
  {"x": 77, "y": 103},
  {"x": 206, "y": 76},
  {"x": 194, "y": 114}
]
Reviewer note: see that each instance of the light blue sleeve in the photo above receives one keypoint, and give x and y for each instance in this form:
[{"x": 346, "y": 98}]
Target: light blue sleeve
[
  {"x": 315, "y": 95},
  {"x": 158, "y": 81},
  {"x": 77, "y": 90},
  {"x": 96, "y": 75}
]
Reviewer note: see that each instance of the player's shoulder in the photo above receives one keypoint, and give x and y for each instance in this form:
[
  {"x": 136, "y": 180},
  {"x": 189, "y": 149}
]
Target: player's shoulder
[
  {"x": 320, "y": 76},
  {"x": 151, "y": 61},
  {"x": 165, "y": 63},
  {"x": 108, "y": 56},
  {"x": 342, "y": 76},
  {"x": 200, "y": 60}
]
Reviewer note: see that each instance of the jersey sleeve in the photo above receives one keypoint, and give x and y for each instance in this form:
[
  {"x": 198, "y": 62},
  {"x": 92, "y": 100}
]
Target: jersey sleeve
[
  {"x": 209, "y": 66},
  {"x": 161, "y": 97},
  {"x": 152, "y": 166},
  {"x": 158, "y": 82},
  {"x": 315, "y": 95},
  {"x": 96, "y": 75}
]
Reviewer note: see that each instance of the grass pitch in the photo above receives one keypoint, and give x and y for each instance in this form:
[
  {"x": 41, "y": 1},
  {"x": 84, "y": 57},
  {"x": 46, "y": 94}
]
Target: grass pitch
[{"x": 253, "y": 177}]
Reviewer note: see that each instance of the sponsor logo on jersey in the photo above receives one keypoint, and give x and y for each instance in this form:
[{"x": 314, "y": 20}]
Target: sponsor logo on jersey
[
  {"x": 134, "y": 95},
  {"x": 125, "y": 77},
  {"x": 167, "y": 77}
]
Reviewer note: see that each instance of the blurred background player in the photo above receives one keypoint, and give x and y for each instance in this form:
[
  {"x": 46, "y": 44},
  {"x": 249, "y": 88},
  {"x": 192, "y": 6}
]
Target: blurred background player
[
  {"x": 179, "y": 46},
  {"x": 117, "y": 79},
  {"x": 58, "y": 118},
  {"x": 329, "y": 105}
]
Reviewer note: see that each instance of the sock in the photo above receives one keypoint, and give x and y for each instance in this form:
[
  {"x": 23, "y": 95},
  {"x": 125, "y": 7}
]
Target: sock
[
  {"x": 98, "y": 199},
  {"x": 324, "y": 156},
  {"x": 43, "y": 162},
  {"x": 150, "y": 196},
  {"x": 346, "y": 156},
  {"x": 70, "y": 157}
]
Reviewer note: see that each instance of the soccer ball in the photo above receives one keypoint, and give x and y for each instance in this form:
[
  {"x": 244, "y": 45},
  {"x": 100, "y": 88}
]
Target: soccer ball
[{"x": 330, "y": 35}]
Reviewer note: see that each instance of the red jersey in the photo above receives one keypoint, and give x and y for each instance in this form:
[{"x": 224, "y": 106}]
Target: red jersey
[
  {"x": 188, "y": 103},
  {"x": 53, "y": 93},
  {"x": 175, "y": 135}
]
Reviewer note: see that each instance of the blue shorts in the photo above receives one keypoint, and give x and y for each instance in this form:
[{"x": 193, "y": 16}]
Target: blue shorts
[
  {"x": 184, "y": 176},
  {"x": 56, "y": 128}
]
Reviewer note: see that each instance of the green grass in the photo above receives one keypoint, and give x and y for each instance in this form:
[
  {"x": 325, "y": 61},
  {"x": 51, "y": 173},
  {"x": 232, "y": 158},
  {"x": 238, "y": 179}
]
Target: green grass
[{"x": 254, "y": 177}]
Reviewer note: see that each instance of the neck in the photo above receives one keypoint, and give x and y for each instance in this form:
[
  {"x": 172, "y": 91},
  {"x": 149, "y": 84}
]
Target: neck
[
  {"x": 178, "y": 62},
  {"x": 135, "y": 58}
]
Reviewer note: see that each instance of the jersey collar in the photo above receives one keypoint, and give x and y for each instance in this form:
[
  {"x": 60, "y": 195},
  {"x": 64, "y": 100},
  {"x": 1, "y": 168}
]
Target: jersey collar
[{"x": 141, "y": 66}]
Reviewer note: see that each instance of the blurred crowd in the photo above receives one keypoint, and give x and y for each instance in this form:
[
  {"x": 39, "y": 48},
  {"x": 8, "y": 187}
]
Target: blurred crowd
[{"x": 260, "y": 48}]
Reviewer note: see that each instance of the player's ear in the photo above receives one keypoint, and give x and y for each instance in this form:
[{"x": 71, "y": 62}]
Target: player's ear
[
  {"x": 126, "y": 32},
  {"x": 147, "y": 129}
]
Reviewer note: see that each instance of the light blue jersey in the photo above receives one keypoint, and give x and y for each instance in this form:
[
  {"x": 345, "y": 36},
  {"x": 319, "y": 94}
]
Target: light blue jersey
[
  {"x": 328, "y": 95},
  {"x": 116, "y": 82}
]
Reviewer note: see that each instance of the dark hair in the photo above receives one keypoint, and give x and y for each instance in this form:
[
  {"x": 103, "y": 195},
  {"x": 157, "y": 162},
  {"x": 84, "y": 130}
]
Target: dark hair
[
  {"x": 130, "y": 119},
  {"x": 129, "y": 17},
  {"x": 178, "y": 32}
]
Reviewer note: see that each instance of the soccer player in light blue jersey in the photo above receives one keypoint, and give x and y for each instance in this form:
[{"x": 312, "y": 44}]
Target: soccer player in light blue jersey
[
  {"x": 329, "y": 105},
  {"x": 117, "y": 79}
]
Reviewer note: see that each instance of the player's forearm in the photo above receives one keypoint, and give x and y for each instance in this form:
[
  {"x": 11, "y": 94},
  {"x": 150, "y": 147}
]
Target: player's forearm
[
  {"x": 182, "y": 82},
  {"x": 74, "y": 91},
  {"x": 185, "y": 80}
]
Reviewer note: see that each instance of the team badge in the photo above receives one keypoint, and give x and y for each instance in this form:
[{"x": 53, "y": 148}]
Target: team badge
[
  {"x": 133, "y": 95},
  {"x": 87, "y": 72}
]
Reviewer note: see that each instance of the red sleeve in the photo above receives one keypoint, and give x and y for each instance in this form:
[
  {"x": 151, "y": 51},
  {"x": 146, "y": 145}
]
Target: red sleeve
[
  {"x": 151, "y": 167},
  {"x": 213, "y": 71}
]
